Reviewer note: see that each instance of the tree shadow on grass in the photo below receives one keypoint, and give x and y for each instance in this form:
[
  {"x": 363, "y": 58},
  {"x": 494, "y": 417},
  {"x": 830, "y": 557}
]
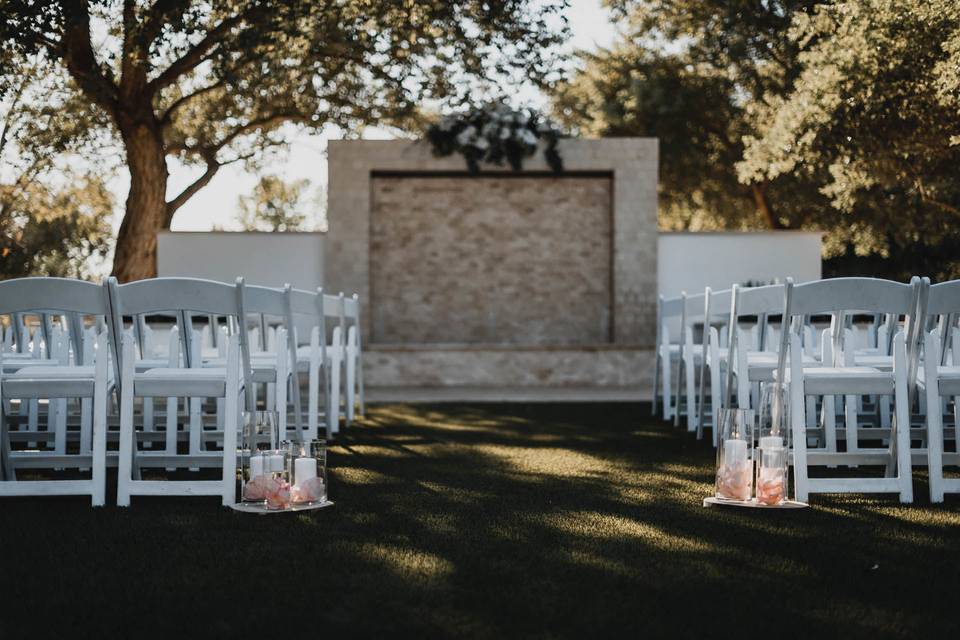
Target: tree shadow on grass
[{"x": 492, "y": 521}]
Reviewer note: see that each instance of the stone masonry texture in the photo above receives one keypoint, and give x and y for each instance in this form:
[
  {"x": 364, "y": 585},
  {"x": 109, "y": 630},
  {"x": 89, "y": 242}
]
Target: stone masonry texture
[{"x": 491, "y": 260}]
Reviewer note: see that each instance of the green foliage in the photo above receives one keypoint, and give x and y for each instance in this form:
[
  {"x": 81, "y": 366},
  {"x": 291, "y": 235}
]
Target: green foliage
[
  {"x": 54, "y": 218},
  {"x": 277, "y": 205},
  {"x": 875, "y": 117},
  {"x": 495, "y": 133},
  {"x": 54, "y": 231},
  {"x": 212, "y": 83},
  {"x": 691, "y": 73}
]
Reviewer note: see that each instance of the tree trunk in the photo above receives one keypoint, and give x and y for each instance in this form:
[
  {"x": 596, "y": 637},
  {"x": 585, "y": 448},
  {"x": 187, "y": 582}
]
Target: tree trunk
[
  {"x": 135, "y": 256},
  {"x": 763, "y": 206}
]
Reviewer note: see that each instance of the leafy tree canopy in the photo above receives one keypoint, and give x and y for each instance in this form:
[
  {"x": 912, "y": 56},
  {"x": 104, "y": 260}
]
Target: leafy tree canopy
[
  {"x": 875, "y": 116},
  {"x": 54, "y": 219},
  {"x": 216, "y": 82},
  {"x": 279, "y": 205},
  {"x": 691, "y": 73}
]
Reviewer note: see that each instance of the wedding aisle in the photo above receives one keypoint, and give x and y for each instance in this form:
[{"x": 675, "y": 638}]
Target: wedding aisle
[{"x": 561, "y": 520}]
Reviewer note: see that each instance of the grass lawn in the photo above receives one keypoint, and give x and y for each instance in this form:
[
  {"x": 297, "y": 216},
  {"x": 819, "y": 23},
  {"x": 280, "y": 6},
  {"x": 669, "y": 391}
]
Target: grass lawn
[{"x": 488, "y": 521}]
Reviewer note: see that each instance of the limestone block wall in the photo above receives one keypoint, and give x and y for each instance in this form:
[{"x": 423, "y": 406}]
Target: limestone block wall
[
  {"x": 632, "y": 164},
  {"x": 491, "y": 259}
]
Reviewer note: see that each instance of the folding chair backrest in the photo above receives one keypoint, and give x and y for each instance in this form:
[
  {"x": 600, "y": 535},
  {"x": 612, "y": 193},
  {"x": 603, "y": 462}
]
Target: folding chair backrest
[
  {"x": 52, "y": 295},
  {"x": 717, "y": 304},
  {"x": 758, "y": 301},
  {"x": 308, "y": 305},
  {"x": 942, "y": 302},
  {"x": 181, "y": 297},
  {"x": 333, "y": 307},
  {"x": 838, "y": 296},
  {"x": 43, "y": 296}
]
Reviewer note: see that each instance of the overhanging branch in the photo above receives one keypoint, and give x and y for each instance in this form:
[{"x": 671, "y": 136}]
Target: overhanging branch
[{"x": 212, "y": 167}]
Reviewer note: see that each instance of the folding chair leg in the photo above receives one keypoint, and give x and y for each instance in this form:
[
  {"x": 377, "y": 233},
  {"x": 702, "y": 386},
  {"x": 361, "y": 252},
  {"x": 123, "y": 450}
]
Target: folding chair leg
[
  {"x": 99, "y": 464},
  {"x": 656, "y": 383},
  {"x": 934, "y": 442},
  {"x": 830, "y": 425},
  {"x": 59, "y": 409},
  {"x": 196, "y": 427},
  {"x": 350, "y": 386},
  {"x": 333, "y": 403},
  {"x": 171, "y": 434},
  {"x": 666, "y": 393},
  {"x": 127, "y": 444},
  {"x": 7, "y": 471},
  {"x": 901, "y": 402},
  {"x": 691, "y": 397},
  {"x": 313, "y": 399},
  {"x": 148, "y": 424}
]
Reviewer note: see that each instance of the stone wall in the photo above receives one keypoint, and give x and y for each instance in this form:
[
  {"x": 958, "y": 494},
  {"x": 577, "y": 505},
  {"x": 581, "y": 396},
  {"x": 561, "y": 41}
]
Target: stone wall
[
  {"x": 490, "y": 259},
  {"x": 632, "y": 164},
  {"x": 504, "y": 279}
]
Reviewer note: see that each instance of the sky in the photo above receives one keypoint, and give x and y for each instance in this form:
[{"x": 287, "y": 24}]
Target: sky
[{"x": 216, "y": 204}]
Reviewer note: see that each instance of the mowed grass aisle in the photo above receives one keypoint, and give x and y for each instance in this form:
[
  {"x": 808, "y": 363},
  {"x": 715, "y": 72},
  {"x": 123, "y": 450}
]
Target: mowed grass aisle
[{"x": 489, "y": 521}]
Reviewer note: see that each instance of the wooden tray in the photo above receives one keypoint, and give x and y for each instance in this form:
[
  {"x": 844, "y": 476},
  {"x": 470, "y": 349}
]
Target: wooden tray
[
  {"x": 262, "y": 509},
  {"x": 753, "y": 504}
]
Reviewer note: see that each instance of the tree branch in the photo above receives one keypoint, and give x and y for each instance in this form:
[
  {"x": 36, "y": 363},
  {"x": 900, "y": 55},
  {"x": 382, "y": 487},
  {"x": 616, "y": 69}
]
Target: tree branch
[
  {"x": 11, "y": 111},
  {"x": 196, "y": 54},
  {"x": 212, "y": 167},
  {"x": 167, "y": 116},
  {"x": 78, "y": 54},
  {"x": 265, "y": 122},
  {"x": 159, "y": 15}
]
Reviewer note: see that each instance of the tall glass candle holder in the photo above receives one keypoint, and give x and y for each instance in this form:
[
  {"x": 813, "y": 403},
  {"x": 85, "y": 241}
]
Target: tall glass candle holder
[
  {"x": 260, "y": 435},
  {"x": 771, "y": 474},
  {"x": 773, "y": 445},
  {"x": 735, "y": 455},
  {"x": 308, "y": 471},
  {"x": 276, "y": 482}
]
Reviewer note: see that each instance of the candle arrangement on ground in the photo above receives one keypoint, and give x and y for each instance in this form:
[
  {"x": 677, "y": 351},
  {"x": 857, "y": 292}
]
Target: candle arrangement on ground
[
  {"x": 279, "y": 476},
  {"x": 755, "y": 476}
]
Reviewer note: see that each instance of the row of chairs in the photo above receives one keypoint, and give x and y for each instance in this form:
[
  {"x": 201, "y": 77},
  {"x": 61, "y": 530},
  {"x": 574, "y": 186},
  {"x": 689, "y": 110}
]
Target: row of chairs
[
  {"x": 870, "y": 367},
  {"x": 88, "y": 361}
]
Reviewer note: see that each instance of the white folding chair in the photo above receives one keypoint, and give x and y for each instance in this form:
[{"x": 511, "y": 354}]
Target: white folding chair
[
  {"x": 752, "y": 360},
  {"x": 835, "y": 297},
  {"x": 689, "y": 359},
  {"x": 310, "y": 358},
  {"x": 353, "y": 358},
  {"x": 274, "y": 367},
  {"x": 334, "y": 308},
  {"x": 939, "y": 382},
  {"x": 80, "y": 371},
  {"x": 714, "y": 357},
  {"x": 183, "y": 296},
  {"x": 669, "y": 310}
]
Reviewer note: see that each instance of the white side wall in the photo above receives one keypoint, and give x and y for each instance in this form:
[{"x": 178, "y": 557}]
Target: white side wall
[
  {"x": 692, "y": 261},
  {"x": 268, "y": 259}
]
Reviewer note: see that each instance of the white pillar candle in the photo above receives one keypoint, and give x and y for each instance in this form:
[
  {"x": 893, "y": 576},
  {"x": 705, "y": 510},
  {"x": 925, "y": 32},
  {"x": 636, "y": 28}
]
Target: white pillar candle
[
  {"x": 771, "y": 442},
  {"x": 275, "y": 463},
  {"x": 304, "y": 469},
  {"x": 734, "y": 452},
  {"x": 256, "y": 466}
]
